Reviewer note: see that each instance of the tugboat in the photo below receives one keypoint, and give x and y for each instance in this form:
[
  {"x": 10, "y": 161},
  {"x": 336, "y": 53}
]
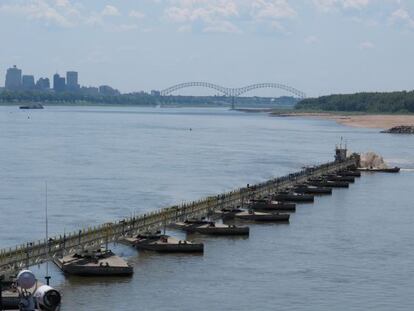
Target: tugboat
[
  {"x": 26, "y": 293},
  {"x": 269, "y": 206},
  {"x": 164, "y": 243},
  {"x": 309, "y": 189},
  {"x": 293, "y": 197},
  {"x": 261, "y": 216},
  {"x": 211, "y": 228},
  {"x": 94, "y": 262}
]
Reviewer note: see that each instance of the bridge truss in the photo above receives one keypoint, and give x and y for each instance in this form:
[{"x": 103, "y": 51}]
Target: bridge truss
[{"x": 233, "y": 92}]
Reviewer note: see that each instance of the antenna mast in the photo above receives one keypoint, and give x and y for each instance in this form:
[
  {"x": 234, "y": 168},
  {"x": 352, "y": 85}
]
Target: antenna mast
[{"x": 47, "y": 277}]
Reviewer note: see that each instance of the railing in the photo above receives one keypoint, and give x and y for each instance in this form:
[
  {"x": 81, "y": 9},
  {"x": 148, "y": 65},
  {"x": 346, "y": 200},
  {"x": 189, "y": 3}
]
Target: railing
[{"x": 13, "y": 259}]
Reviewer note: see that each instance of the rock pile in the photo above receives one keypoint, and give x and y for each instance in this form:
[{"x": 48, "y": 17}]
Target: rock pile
[{"x": 402, "y": 129}]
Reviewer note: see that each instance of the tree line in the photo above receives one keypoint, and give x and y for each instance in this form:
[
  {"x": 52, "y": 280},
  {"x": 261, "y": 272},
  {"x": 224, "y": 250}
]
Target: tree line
[
  {"x": 391, "y": 102},
  {"x": 141, "y": 98},
  {"x": 66, "y": 97}
]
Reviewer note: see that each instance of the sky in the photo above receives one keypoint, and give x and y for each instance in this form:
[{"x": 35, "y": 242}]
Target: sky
[{"x": 317, "y": 46}]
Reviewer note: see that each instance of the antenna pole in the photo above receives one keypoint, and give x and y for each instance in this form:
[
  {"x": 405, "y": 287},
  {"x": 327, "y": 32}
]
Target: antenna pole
[{"x": 47, "y": 277}]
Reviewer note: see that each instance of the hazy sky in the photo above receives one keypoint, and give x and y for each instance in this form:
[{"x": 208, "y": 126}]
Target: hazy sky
[{"x": 317, "y": 46}]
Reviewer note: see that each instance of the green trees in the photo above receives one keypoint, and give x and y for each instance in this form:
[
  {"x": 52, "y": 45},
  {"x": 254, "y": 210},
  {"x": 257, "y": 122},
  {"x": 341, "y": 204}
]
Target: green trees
[
  {"x": 393, "y": 102},
  {"x": 72, "y": 98}
]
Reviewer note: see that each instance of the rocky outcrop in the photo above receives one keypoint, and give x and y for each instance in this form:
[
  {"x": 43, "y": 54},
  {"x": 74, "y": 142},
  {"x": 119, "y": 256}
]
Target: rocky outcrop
[{"x": 402, "y": 129}]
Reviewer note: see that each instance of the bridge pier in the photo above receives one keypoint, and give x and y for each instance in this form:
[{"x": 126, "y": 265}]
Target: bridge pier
[{"x": 233, "y": 106}]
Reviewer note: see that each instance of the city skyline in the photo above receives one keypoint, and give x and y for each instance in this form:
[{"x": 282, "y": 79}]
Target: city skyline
[
  {"x": 317, "y": 46},
  {"x": 17, "y": 80}
]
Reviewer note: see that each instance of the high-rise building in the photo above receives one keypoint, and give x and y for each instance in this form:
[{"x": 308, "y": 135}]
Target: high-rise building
[
  {"x": 13, "y": 78},
  {"x": 59, "y": 84},
  {"x": 72, "y": 81},
  {"x": 28, "y": 82},
  {"x": 43, "y": 84}
]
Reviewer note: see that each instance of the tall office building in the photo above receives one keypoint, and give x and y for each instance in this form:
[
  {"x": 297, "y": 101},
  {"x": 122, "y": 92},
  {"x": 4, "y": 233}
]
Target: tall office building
[
  {"x": 59, "y": 84},
  {"x": 13, "y": 78},
  {"x": 72, "y": 81},
  {"x": 28, "y": 82},
  {"x": 43, "y": 84}
]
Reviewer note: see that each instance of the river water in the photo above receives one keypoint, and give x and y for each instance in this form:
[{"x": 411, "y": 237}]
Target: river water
[{"x": 353, "y": 250}]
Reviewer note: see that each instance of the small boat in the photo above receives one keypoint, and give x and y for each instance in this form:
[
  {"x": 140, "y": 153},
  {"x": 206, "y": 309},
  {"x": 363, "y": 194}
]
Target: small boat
[
  {"x": 309, "y": 189},
  {"x": 211, "y": 228},
  {"x": 293, "y": 197},
  {"x": 269, "y": 205},
  {"x": 350, "y": 173},
  {"x": 380, "y": 170},
  {"x": 95, "y": 262},
  {"x": 261, "y": 216},
  {"x": 32, "y": 106},
  {"x": 164, "y": 244}
]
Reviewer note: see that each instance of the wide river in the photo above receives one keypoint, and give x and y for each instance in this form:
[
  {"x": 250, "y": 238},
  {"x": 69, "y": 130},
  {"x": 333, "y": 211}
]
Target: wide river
[{"x": 353, "y": 250}]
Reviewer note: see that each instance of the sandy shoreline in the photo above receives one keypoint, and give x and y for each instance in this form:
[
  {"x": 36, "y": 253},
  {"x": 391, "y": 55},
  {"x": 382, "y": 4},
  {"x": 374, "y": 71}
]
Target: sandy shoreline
[{"x": 379, "y": 121}]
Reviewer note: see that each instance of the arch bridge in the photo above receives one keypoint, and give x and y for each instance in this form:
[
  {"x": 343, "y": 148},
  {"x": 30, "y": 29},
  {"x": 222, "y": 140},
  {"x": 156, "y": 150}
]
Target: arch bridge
[{"x": 233, "y": 92}]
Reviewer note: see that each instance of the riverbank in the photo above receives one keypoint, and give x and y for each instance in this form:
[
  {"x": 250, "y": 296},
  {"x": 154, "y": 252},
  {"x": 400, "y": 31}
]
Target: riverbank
[{"x": 380, "y": 121}]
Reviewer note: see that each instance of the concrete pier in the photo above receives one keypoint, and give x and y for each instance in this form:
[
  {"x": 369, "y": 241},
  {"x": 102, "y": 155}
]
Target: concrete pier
[{"x": 27, "y": 254}]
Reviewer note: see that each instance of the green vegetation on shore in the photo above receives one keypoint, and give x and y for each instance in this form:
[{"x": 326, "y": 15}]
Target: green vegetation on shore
[
  {"x": 8, "y": 97},
  {"x": 392, "y": 102},
  {"x": 139, "y": 99}
]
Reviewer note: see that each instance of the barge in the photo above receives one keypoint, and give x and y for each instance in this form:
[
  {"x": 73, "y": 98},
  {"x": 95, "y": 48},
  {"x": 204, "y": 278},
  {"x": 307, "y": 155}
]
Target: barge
[
  {"x": 263, "y": 217},
  {"x": 293, "y": 197},
  {"x": 269, "y": 206},
  {"x": 211, "y": 228},
  {"x": 314, "y": 190},
  {"x": 99, "y": 262},
  {"x": 164, "y": 244}
]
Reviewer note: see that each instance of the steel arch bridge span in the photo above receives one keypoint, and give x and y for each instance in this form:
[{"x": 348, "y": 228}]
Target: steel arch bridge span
[
  {"x": 176, "y": 87},
  {"x": 233, "y": 92}
]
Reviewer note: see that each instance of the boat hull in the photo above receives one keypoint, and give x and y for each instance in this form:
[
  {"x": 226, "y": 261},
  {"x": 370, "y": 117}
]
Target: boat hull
[
  {"x": 265, "y": 218},
  {"x": 171, "y": 248},
  {"x": 381, "y": 170},
  {"x": 294, "y": 198},
  {"x": 350, "y": 173},
  {"x": 314, "y": 191},
  {"x": 87, "y": 270},
  {"x": 283, "y": 206}
]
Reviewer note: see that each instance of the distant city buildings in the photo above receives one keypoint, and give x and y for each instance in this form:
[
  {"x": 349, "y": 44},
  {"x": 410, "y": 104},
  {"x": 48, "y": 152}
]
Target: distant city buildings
[
  {"x": 106, "y": 90},
  {"x": 13, "y": 78},
  {"x": 28, "y": 82},
  {"x": 43, "y": 84},
  {"x": 72, "y": 81},
  {"x": 59, "y": 84},
  {"x": 15, "y": 81}
]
